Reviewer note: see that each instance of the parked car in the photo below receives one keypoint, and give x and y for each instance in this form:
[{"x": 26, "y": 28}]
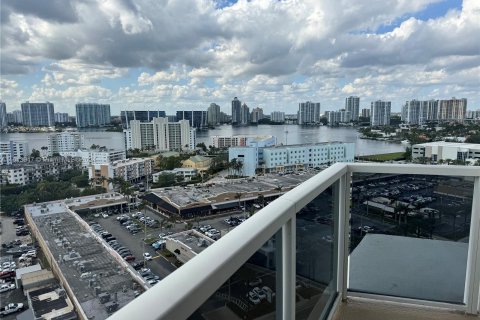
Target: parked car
[
  {"x": 129, "y": 258},
  {"x": 253, "y": 297},
  {"x": 11, "y": 308},
  {"x": 7, "y": 287},
  {"x": 147, "y": 256}
]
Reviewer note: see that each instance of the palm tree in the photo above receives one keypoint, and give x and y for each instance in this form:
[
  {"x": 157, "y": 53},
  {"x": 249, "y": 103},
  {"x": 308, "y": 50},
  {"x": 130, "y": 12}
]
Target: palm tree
[
  {"x": 238, "y": 196},
  {"x": 261, "y": 200}
]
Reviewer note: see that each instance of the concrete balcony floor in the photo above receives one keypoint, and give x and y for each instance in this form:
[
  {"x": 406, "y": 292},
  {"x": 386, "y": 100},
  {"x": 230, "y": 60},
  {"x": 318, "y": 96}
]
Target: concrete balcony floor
[{"x": 363, "y": 309}]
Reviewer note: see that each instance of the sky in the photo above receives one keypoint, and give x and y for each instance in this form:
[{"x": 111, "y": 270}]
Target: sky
[{"x": 183, "y": 55}]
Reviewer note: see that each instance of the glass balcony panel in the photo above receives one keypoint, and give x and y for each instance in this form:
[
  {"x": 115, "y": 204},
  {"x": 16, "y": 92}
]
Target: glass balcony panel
[
  {"x": 251, "y": 292},
  {"x": 409, "y": 236},
  {"x": 316, "y": 256}
]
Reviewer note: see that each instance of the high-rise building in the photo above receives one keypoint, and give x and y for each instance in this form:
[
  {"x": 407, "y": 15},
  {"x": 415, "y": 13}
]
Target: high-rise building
[
  {"x": 65, "y": 141},
  {"x": 213, "y": 114},
  {"x": 277, "y": 116},
  {"x": 308, "y": 112},
  {"x": 380, "y": 113},
  {"x": 452, "y": 110},
  {"x": 366, "y": 113},
  {"x": 196, "y": 119},
  {"x": 352, "y": 105},
  {"x": 3, "y": 115},
  {"x": 257, "y": 114},
  {"x": 141, "y": 115},
  {"x": 38, "y": 114},
  {"x": 236, "y": 111},
  {"x": 92, "y": 115},
  {"x": 62, "y": 117},
  {"x": 333, "y": 117},
  {"x": 160, "y": 135},
  {"x": 244, "y": 114}
]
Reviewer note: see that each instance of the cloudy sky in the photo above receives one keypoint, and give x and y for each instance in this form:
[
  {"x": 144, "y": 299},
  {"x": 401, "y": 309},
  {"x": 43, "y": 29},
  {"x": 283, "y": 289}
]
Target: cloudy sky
[{"x": 185, "y": 54}]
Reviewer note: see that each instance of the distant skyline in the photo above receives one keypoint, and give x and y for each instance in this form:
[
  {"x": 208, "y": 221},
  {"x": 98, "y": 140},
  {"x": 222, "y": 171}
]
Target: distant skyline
[{"x": 184, "y": 55}]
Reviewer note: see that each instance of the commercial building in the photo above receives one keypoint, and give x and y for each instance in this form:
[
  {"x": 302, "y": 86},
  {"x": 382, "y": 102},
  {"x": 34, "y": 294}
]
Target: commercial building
[
  {"x": 36, "y": 171},
  {"x": 160, "y": 135},
  {"x": 236, "y": 111},
  {"x": 380, "y": 113},
  {"x": 62, "y": 117},
  {"x": 13, "y": 151},
  {"x": 441, "y": 150},
  {"x": 213, "y": 114},
  {"x": 92, "y": 115},
  {"x": 64, "y": 142},
  {"x": 38, "y": 114},
  {"x": 308, "y": 113},
  {"x": 130, "y": 170},
  {"x": 91, "y": 273},
  {"x": 277, "y": 116},
  {"x": 3, "y": 115},
  {"x": 196, "y": 119},
  {"x": 140, "y": 115},
  {"x": 291, "y": 157},
  {"x": 95, "y": 156},
  {"x": 352, "y": 105},
  {"x": 241, "y": 140}
]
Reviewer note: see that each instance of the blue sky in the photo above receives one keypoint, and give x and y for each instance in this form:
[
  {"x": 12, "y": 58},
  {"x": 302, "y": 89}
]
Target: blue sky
[{"x": 273, "y": 54}]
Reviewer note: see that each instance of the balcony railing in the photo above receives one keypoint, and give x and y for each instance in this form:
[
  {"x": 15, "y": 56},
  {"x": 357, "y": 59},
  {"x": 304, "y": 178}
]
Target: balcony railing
[{"x": 315, "y": 264}]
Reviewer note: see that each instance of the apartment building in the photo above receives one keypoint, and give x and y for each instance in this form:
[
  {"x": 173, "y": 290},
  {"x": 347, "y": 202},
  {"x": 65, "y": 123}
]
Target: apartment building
[{"x": 13, "y": 151}]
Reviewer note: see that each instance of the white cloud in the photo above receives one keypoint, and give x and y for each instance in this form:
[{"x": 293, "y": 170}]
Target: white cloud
[{"x": 268, "y": 52}]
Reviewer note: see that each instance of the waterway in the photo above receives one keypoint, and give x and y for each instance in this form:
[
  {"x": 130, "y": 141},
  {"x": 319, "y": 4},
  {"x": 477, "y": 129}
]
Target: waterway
[{"x": 289, "y": 134}]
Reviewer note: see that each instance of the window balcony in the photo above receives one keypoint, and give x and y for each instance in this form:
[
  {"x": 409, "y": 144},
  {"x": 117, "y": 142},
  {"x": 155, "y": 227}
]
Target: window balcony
[{"x": 356, "y": 241}]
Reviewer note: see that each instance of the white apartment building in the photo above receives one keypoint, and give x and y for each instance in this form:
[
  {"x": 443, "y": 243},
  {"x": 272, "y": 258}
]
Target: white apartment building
[
  {"x": 64, "y": 142},
  {"x": 160, "y": 135},
  {"x": 308, "y": 112},
  {"x": 95, "y": 156},
  {"x": 277, "y": 116},
  {"x": 441, "y": 150},
  {"x": 131, "y": 170},
  {"x": 380, "y": 113},
  {"x": 13, "y": 151},
  {"x": 352, "y": 104},
  {"x": 292, "y": 157}
]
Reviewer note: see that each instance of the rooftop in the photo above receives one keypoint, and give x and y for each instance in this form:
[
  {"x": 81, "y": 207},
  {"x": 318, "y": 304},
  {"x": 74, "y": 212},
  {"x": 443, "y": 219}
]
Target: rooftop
[
  {"x": 84, "y": 262},
  {"x": 449, "y": 144},
  {"x": 196, "y": 241}
]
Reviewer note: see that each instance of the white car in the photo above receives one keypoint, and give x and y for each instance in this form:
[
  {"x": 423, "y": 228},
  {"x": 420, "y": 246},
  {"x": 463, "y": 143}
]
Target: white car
[
  {"x": 31, "y": 253},
  {"x": 147, "y": 256},
  {"x": 7, "y": 287},
  {"x": 105, "y": 215},
  {"x": 253, "y": 297}
]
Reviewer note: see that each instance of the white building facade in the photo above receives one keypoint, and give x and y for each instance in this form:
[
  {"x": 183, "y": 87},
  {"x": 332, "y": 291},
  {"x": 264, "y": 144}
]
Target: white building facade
[
  {"x": 277, "y": 116},
  {"x": 308, "y": 112},
  {"x": 13, "y": 151},
  {"x": 441, "y": 150},
  {"x": 65, "y": 141},
  {"x": 380, "y": 113},
  {"x": 130, "y": 170},
  {"x": 94, "y": 156},
  {"x": 160, "y": 135}
]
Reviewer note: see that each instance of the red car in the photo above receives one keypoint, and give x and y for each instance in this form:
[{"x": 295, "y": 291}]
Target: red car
[{"x": 129, "y": 258}]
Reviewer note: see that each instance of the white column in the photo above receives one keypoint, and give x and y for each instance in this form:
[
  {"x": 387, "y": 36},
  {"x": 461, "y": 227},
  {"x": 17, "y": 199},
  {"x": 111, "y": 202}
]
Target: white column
[
  {"x": 288, "y": 267},
  {"x": 472, "y": 281}
]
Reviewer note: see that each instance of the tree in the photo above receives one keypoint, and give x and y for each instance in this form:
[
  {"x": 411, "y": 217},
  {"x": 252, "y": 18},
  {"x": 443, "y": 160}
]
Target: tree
[
  {"x": 35, "y": 154},
  {"x": 238, "y": 196},
  {"x": 261, "y": 200},
  {"x": 202, "y": 145}
]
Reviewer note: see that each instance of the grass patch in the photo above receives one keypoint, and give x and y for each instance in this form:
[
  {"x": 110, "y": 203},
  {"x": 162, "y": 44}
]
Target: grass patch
[{"x": 384, "y": 157}]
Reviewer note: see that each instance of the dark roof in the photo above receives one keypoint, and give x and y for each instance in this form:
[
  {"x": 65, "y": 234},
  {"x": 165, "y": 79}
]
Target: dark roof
[{"x": 41, "y": 307}]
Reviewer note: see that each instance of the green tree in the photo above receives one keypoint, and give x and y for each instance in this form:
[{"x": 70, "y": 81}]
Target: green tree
[{"x": 35, "y": 154}]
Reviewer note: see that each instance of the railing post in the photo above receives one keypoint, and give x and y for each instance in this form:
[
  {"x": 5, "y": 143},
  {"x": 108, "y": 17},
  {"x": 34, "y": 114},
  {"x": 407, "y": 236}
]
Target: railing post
[
  {"x": 342, "y": 211},
  {"x": 279, "y": 275},
  {"x": 472, "y": 280},
  {"x": 288, "y": 267}
]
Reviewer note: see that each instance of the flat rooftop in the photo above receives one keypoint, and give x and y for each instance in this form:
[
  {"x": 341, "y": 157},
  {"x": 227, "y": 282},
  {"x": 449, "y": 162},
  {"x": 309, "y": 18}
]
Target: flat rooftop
[
  {"x": 196, "y": 241},
  {"x": 94, "y": 201},
  {"x": 212, "y": 193},
  {"x": 83, "y": 261},
  {"x": 449, "y": 144}
]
